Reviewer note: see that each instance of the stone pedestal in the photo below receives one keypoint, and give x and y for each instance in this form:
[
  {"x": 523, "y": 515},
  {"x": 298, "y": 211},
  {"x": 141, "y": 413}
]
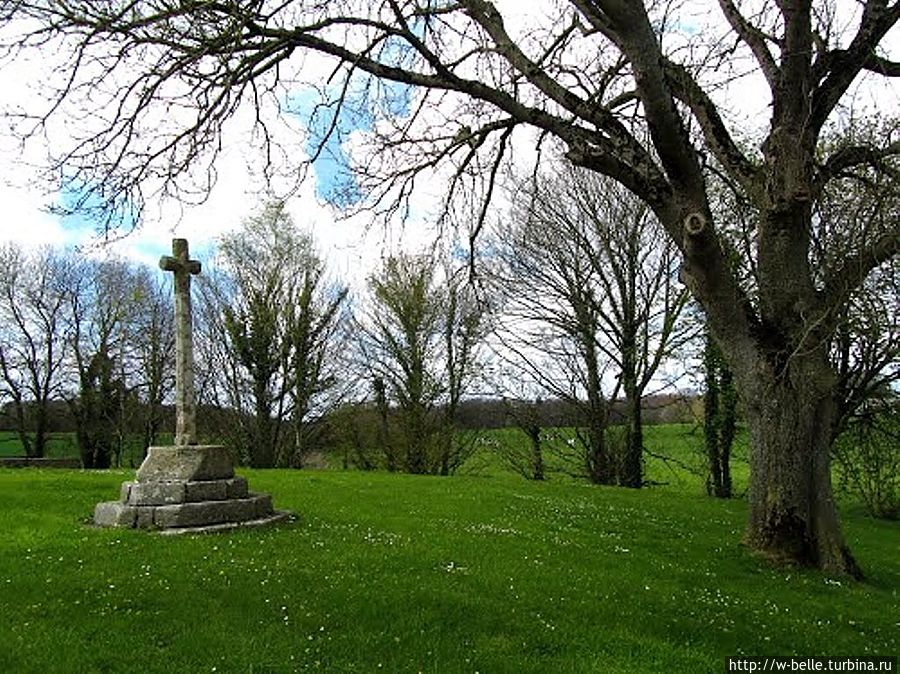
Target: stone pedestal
[{"x": 187, "y": 489}]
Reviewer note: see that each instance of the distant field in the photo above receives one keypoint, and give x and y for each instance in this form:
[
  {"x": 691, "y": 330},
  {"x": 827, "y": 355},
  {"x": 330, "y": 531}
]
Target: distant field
[
  {"x": 398, "y": 573},
  {"x": 64, "y": 445},
  {"x": 674, "y": 454},
  {"x": 59, "y": 445}
]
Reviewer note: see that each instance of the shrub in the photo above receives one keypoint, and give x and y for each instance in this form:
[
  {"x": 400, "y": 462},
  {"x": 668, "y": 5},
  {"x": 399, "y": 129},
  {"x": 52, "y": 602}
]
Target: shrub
[{"x": 867, "y": 455}]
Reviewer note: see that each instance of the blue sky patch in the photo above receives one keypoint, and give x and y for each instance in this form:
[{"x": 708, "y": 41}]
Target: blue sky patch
[
  {"x": 83, "y": 211},
  {"x": 331, "y": 118}
]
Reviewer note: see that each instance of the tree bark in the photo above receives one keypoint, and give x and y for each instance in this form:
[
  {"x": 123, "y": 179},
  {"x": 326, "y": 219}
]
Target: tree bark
[
  {"x": 719, "y": 420},
  {"x": 537, "y": 457},
  {"x": 793, "y": 517},
  {"x": 727, "y": 428},
  {"x": 631, "y": 473},
  {"x": 601, "y": 468},
  {"x": 384, "y": 440},
  {"x": 21, "y": 429}
]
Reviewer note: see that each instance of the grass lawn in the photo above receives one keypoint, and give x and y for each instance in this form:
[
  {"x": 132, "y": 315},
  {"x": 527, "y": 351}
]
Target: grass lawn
[
  {"x": 400, "y": 573},
  {"x": 59, "y": 445}
]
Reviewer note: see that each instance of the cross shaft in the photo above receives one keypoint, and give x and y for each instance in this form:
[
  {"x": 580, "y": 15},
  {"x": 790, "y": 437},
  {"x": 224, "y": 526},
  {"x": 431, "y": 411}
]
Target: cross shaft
[{"x": 185, "y": 406}]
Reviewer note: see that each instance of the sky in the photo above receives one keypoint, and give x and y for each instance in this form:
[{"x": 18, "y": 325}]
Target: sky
[
  {"x": 237, "y": 194},
  {"x": 352, "y": 247}
]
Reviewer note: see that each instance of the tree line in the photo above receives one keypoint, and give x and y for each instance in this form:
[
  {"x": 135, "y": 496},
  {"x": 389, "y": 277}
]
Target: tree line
[
  {"x": 96, "y": 334},
  {"x": 574, "y": 314}
]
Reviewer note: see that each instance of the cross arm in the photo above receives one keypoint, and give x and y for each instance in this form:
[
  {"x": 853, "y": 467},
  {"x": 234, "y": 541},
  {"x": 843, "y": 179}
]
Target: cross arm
[{"x": 169, "y": 263}]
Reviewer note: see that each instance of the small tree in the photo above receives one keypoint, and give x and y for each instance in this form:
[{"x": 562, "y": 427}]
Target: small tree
[
  {"x": 314, "y": 369},
  {"x": 400, "y": 337},
  {"x": 419, "y": 340},
  {"x": 34, "y": 296},
  {"x": 464, "y": 328},
  {"x": 526, "y": 416},
  {"x": 719, "y": 419},
  {"x": 272, "y": 319}
]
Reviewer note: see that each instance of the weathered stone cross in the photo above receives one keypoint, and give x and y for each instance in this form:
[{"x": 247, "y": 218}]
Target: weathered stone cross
[{"x": 185, "y": 407}]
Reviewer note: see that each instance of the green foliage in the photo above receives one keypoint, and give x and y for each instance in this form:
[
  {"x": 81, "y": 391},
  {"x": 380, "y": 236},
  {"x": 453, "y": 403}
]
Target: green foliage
[
  {"x": 419, "y": 348},
  {"x": 867, "y": 457},
  {"x": 402, "y": 573},
  {"x": 273, "y": 356}
]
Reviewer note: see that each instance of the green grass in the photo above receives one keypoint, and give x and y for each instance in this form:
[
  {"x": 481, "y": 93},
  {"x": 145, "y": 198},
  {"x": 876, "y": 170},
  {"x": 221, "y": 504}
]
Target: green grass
[
  {"x": 401, "y": 573},
  {"x": 674, "y": 458},
  {"x": 59, "y": 445},
  {"x": 65, "y": 445}
]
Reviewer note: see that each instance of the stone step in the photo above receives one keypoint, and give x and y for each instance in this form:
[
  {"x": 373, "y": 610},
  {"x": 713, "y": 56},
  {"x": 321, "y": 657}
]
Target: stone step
[
  {"x": 169, "y": 492},
  {"x": 276, "y": 517},
  {"x": 186, "y": 462},
  {"x": 197, "y": 514}
]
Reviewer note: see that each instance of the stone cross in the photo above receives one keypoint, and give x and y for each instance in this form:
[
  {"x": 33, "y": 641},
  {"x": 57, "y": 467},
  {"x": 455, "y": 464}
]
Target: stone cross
[{"x": 185, "y": 407}]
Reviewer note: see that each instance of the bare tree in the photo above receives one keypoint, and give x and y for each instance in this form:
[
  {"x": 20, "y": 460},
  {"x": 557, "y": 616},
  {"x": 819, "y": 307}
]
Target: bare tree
[
  {"x": 584, "y": 261},
  {"x": 33, "y": 332},
  {"x": 465, "y": 326},
  {"x": 153, "y": 333},
  {"x": 104, "y": 304},
  {"x": 630, "y": 91}
]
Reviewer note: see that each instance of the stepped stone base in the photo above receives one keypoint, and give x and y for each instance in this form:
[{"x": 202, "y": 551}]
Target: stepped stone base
[{"x": 187, "y": 489}]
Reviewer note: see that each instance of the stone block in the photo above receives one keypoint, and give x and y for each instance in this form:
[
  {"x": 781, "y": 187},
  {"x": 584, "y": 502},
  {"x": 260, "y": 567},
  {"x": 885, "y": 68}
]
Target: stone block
[
  {"x": 236, "y": 487},
  {"x": 125, "y": 493},
  {"x": 114, "y": 514},
  {"x": 275, "y": 518},
  {"x": 156, "y": 493},
  {"x": 213, "y": 512},
  {"x": 187, "y": 462},
  {"x": 145, "y": 517},
  {"x": 206, "y": 490}
]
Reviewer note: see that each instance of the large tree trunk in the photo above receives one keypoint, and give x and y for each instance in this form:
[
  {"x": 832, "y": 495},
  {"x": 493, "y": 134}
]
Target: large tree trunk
[
  {"x": 793, "y": 517},
  {"x": 601, "y": 468},
  {"x": 40, "y": 428},
  {"x": 416, "y": 439},
  {"x": 598, "y": 464},
  {"x": 22, "y": 428}
]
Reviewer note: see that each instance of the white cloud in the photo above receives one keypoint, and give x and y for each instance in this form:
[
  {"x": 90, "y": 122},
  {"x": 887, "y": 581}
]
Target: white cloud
[{"x": 25, "y": 222}]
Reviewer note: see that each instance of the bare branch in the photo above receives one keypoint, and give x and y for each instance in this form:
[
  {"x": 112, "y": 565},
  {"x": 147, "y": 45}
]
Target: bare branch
[
  {"x": 855, "y": 268},
  {"x": 753, "y": 38},
  {"x": 837, "y": 70},
  {"x": 714, "y": 130},
  {"x": 852, "y": 156}
]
